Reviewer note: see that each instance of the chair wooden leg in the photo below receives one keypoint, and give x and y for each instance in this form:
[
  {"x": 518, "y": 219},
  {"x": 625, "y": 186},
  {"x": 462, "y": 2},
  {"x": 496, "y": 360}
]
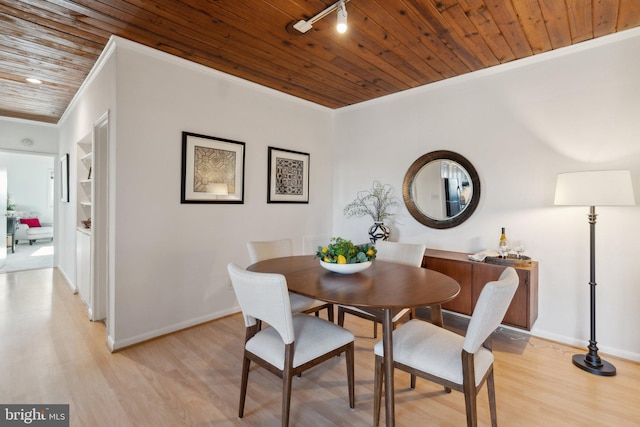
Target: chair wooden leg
[
  {"x": 330, "y": 312},
  {"x": 472, "y": 409},
  {"x": 340, "y": 317},
  {"x": 375, "y": 329},
  {"x": 491, "y": 389},
  {"x": 350, "y": 376},
  {"x": 243, "y": 385},
  {"x": 377, "y": 391},
  {"x": 413, "y": 381},
  {"x": 469, "y": 386},
  {"x": 287, "y": 377}
]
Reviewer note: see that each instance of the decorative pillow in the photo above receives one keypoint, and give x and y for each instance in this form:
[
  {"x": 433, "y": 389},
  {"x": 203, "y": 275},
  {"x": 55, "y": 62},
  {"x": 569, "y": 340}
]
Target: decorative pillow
[{"x": 31, "y": 222}]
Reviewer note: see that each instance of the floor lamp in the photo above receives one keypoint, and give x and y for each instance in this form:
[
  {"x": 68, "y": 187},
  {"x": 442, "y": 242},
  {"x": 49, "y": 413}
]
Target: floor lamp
[{"x": 594, "y": 188}]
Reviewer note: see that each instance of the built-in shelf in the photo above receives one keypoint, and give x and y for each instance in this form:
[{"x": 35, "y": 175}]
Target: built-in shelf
[
  {"x": 86, "y": 143},
  {"x": 84, "y": 230},
  {"x": 84, "y": 180}
]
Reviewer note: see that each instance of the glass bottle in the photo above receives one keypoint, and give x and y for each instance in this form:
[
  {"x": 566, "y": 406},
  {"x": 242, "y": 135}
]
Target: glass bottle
[{"x": 503, "y": 246}]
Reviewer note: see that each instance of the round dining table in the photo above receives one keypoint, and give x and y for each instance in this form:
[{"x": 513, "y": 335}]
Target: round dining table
[{"x": 384, "y": 289}]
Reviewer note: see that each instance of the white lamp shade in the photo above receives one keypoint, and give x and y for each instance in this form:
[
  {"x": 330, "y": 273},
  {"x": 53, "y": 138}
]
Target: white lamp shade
[{"x": 595, "y": 188}]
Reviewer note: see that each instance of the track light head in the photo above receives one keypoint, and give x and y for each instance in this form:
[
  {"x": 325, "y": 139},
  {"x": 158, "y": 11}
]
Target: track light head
[{"x": 342, "y": 18}]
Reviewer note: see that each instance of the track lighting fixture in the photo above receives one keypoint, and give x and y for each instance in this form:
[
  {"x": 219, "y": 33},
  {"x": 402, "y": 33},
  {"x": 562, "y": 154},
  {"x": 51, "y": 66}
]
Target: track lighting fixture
[
  {"x": 342, "y": 18},
  {"x": 304, "y": 26}
]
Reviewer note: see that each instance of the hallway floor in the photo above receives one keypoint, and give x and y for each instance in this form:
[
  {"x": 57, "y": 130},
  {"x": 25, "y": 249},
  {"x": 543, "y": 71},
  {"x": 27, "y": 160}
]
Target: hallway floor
[{"x": 29, "y": 257}]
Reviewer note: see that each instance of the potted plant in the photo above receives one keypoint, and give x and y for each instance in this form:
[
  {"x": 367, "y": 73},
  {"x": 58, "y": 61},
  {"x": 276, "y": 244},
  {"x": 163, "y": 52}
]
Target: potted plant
[
  {"x": 376, "y": 203},
  {"x": 11, "y": 202}
]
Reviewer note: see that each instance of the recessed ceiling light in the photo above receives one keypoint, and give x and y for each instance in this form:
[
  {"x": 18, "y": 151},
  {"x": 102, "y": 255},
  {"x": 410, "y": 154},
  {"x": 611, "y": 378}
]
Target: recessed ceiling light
[{"x": 34, "y": 80}]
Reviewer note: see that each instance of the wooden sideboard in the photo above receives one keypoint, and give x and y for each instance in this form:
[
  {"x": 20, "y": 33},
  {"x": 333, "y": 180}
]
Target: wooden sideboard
[{"x": 473, "y": 275}]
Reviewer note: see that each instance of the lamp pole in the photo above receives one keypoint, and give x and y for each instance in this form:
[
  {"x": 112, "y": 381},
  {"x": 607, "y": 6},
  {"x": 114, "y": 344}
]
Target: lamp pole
[
  {"x": 591, "y": 362},
  {"x": 594, "y": 188}
]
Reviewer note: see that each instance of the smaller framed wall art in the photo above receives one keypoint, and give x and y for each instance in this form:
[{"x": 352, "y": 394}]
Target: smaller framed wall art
[
  {"x": 212, "y": 169},
  {"x": 288, "y": 176}
]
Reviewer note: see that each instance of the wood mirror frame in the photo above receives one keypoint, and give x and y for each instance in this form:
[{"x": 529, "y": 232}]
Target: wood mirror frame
[{"x": 408, "y": 189}]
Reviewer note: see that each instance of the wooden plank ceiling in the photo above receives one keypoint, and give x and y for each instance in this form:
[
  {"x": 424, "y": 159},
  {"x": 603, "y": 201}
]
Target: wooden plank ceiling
[{"x": 390, "y": 46}]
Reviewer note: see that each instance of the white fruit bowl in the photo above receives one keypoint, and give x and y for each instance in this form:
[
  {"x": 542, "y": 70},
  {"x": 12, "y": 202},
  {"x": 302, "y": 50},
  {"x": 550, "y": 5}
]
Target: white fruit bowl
[{"x": 346, "y": 268}]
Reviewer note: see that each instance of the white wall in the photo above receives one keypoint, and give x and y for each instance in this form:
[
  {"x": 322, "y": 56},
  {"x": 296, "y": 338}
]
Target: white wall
[
  {"x": 95, "y": 97},
  {"x": 44, "y": 136},
  {"x": 169, "y": 259},
  {"x": 28, "y": 181},
  {"x": 520, "y": 125}
]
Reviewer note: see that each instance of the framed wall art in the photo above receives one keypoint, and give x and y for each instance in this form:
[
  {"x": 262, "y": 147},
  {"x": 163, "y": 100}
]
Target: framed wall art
[
  {"x": 64, "y": 178},
  {"x": 212, "y": 169},
  {"x": 288, "y": 176}
]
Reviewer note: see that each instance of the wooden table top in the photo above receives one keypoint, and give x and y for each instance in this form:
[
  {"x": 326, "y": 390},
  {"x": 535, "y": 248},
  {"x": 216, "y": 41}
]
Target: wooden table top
[{"x": 383, "y": 285}]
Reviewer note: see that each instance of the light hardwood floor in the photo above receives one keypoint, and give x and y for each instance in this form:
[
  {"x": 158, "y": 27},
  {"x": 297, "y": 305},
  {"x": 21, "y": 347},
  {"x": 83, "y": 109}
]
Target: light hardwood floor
[{"x": 51, "y": 353}]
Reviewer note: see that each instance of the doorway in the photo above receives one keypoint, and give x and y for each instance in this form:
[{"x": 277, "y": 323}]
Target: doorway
[
  {"x": 28, "y": 202},
  {"x": 100, "y": 241}
]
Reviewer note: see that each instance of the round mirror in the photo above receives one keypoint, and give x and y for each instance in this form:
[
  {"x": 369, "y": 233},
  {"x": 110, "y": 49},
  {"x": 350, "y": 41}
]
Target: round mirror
[{"x": 441, "y": 189}]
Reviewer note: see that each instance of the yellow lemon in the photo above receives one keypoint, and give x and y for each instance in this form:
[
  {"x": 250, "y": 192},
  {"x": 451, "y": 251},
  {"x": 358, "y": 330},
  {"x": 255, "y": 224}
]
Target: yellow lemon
[
  {"x": 326, "y": 259},
  {"x": 342, "y": 259},
  {"x": 370, "y": 252},
  {"x": 325, "y": 250}
]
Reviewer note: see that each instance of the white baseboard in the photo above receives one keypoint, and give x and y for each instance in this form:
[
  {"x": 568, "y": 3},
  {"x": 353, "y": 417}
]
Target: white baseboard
[
  {"x": 584, "y": 343},
  {"x": 571, "y": 341},
  {"x": 117, "y": 344},
  {"x": 110, "y": 343},
  {"x": 68, "y": 280}
]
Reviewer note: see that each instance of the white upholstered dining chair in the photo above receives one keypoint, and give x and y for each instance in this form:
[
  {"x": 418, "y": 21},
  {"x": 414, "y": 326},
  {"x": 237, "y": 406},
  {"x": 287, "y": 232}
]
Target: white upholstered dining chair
[
  {"x": 444, "y": 357},
  {"x": 402, "y": 253},
  {"x": 260, "y": 251},
  {"x": 291, "y": 343}
]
